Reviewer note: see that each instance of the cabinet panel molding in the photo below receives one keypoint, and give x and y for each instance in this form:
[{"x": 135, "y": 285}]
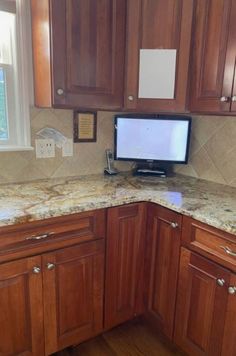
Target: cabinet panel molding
[
  {"x": 213, "y": 56},
  {"x": 81, "y": 46},
  {"x": 124, "y": 263},
  {"x": 148, "y": 28},
  {"x": 21, "y": 308},
  {"x": 201, "y": 305}
]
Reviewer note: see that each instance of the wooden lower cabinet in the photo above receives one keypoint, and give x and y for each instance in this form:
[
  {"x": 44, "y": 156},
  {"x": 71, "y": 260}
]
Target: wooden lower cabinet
[
  {"x": 21, "y": 308},
  {"x": 229, "y": 341},
  {"x": 65, "y": 295},
  {"x": 124, "y": 263},
  {"x": 162, "y": 262},
  {"x": 201, "y": 305},
  {"x": 73, "y": 281},
  {"x": 51, "y": 301}
]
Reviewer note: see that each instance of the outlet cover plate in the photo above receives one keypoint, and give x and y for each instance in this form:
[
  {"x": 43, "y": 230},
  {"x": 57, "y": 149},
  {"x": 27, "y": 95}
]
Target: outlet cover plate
[{"x": 45, "y": 148}]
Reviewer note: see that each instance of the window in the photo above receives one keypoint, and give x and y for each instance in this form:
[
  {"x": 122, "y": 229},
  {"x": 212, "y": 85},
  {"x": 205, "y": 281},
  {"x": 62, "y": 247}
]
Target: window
[
  {"x": 14, "y": 78},
  {"x": 4, "y": 135}
]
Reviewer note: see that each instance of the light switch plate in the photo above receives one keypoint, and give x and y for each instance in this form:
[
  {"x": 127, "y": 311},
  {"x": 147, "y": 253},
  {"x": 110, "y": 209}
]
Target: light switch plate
[
  {"x": 67, "y": 148},
  {"x": 45, "y": 148}
]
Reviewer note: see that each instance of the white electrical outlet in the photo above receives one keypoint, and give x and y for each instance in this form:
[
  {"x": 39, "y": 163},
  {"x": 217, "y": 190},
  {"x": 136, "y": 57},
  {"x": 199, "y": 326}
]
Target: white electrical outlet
[
  {"x": 67, "y": 148},
  {"x": 45, "y": 148}
]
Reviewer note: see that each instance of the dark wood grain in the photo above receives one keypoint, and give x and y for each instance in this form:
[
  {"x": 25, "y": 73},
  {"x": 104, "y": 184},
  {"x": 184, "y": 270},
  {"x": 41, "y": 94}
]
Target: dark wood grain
[
  {"x": 148, "y": 28},
  {"x": 85, "y": 55},
  {"x": 201, "y": 305},
  {"x": 40, "y": 18},
  {"x": 162, "y": 263},
  {"x": 209, "y": 242},
  {"x": 124, "y": 263},
  {"x": 65, "y": 231},
  {"x": 73, "y": 295},
  {"x": 213, "y": 55},
  {"x": 229, "y": 342},
  {"x": 21, "y": 308}
]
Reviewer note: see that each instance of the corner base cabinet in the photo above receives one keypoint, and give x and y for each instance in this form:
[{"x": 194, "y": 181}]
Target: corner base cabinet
[
  {"x": 124, "y": 263},
  {"x": 162, "y": 263}
]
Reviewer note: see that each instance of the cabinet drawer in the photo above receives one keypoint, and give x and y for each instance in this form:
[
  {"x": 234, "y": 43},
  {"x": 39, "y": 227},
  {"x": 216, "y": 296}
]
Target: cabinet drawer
[
  {"x": 44, "y": 235},
  {"x": 210, "y": 242}
]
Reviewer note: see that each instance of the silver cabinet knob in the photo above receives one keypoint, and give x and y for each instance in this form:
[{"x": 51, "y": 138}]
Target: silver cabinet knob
[
  {"x": 224, "y": 99},
  {"x": 233, "y": 98},
  {"x": 232, "y": 290},
  {"x": 50, "y": 266},
  {"x": 130, "y": 98},
  {"x": 220, "y": 282},
  {"x": 60, "y": 91},
  {"x": 174, "y": 225},
  {"x": 36, "y": 270}
]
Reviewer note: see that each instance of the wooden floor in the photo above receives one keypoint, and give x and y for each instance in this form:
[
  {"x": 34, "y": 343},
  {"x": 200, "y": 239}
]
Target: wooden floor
[{"x": 130, "y": 339}]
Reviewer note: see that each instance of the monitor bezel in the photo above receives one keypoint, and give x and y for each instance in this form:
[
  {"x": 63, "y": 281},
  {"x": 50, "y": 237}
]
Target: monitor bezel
[{"x": 153, "y": 117}]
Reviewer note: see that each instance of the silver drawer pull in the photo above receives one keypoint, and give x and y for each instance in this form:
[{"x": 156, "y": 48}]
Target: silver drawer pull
[
  {"x": 40, "y": 237},
  {"x": 228, "y": 251}
]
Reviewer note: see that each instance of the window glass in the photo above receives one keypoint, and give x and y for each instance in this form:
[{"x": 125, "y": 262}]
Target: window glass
[
  {"x": 3, "y": 111},
  {"x": 15, "y": 75}
]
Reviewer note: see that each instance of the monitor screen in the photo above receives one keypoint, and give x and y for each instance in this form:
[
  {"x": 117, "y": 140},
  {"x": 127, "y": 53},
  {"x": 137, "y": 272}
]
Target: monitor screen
[{"x": 152, "y": 138}]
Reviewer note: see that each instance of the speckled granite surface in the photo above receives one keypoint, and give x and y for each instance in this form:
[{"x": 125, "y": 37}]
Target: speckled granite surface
[{"x": 214, "y": 204}]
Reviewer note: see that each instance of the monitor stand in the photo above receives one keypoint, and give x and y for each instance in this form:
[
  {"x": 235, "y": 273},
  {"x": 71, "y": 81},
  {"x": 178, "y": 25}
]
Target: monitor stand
[{"x": 149, "y": 169}]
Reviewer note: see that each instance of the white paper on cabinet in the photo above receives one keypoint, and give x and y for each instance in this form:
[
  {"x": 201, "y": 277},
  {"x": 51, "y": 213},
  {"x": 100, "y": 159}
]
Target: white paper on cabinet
[{"x": 157, "y": 73}]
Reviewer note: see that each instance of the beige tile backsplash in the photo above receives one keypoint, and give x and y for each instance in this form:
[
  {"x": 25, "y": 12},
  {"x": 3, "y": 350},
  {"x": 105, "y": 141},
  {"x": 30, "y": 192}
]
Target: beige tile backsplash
[{"x": 212, "y": 152}]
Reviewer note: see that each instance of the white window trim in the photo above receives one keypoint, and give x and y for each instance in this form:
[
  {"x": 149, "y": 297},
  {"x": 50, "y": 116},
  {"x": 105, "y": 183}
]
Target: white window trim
[{"x": 20, "y": 139}]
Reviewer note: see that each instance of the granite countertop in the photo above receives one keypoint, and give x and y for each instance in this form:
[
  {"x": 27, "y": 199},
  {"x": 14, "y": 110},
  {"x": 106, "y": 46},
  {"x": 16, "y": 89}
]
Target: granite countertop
[{"x": 211, "y": 203}]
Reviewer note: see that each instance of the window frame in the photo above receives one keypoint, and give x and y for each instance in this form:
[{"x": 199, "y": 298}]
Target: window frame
[{"x": 19, "y": 83}]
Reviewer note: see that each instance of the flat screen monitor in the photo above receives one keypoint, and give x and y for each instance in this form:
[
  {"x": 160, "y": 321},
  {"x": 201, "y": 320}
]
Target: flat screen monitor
[{"x": 152, "y": 138}]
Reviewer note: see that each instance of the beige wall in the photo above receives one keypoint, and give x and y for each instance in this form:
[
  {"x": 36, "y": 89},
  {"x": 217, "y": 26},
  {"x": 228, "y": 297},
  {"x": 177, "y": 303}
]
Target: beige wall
[
  {"x": 212, "y": 154},
  {"x": 213, "y": 149}
]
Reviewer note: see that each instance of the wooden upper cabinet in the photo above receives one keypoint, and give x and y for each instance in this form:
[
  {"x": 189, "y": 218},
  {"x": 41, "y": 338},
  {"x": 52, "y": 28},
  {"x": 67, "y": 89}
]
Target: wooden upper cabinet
[
  {"x": 201, "y": 306},
  {"x": 124, "y": 263},
  {"x": 213, "y": 85},
  {"x": 21, "y": 308},
  {"x": 157, "y": 25},
  {"x": 79, "y": 49},
  {"x": 162, "y": 263},
  {"x": 73, "y": 280}
]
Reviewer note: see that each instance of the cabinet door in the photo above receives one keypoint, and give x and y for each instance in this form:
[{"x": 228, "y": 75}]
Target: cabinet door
[
  {"x": 201, "y": 305},
  {"x": 229, "y": 344},
  {"x": 213, "y": 56},
  {"x": 88, "y": 49},
  {"x": 164, "y": 229},
  {"x": 21, "y": 308},
  {"x": 124, "y": 263},
  {"x": 73, "y": 294},
  {"x": 152, "y": 25}
]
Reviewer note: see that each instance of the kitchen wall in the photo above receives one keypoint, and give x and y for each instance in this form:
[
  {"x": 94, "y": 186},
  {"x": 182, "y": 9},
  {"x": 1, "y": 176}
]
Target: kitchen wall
[
  {"x": 88, "y": 158},
  {"x": 213, "y": 149},
  {"x": 212, "y": 152}
]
